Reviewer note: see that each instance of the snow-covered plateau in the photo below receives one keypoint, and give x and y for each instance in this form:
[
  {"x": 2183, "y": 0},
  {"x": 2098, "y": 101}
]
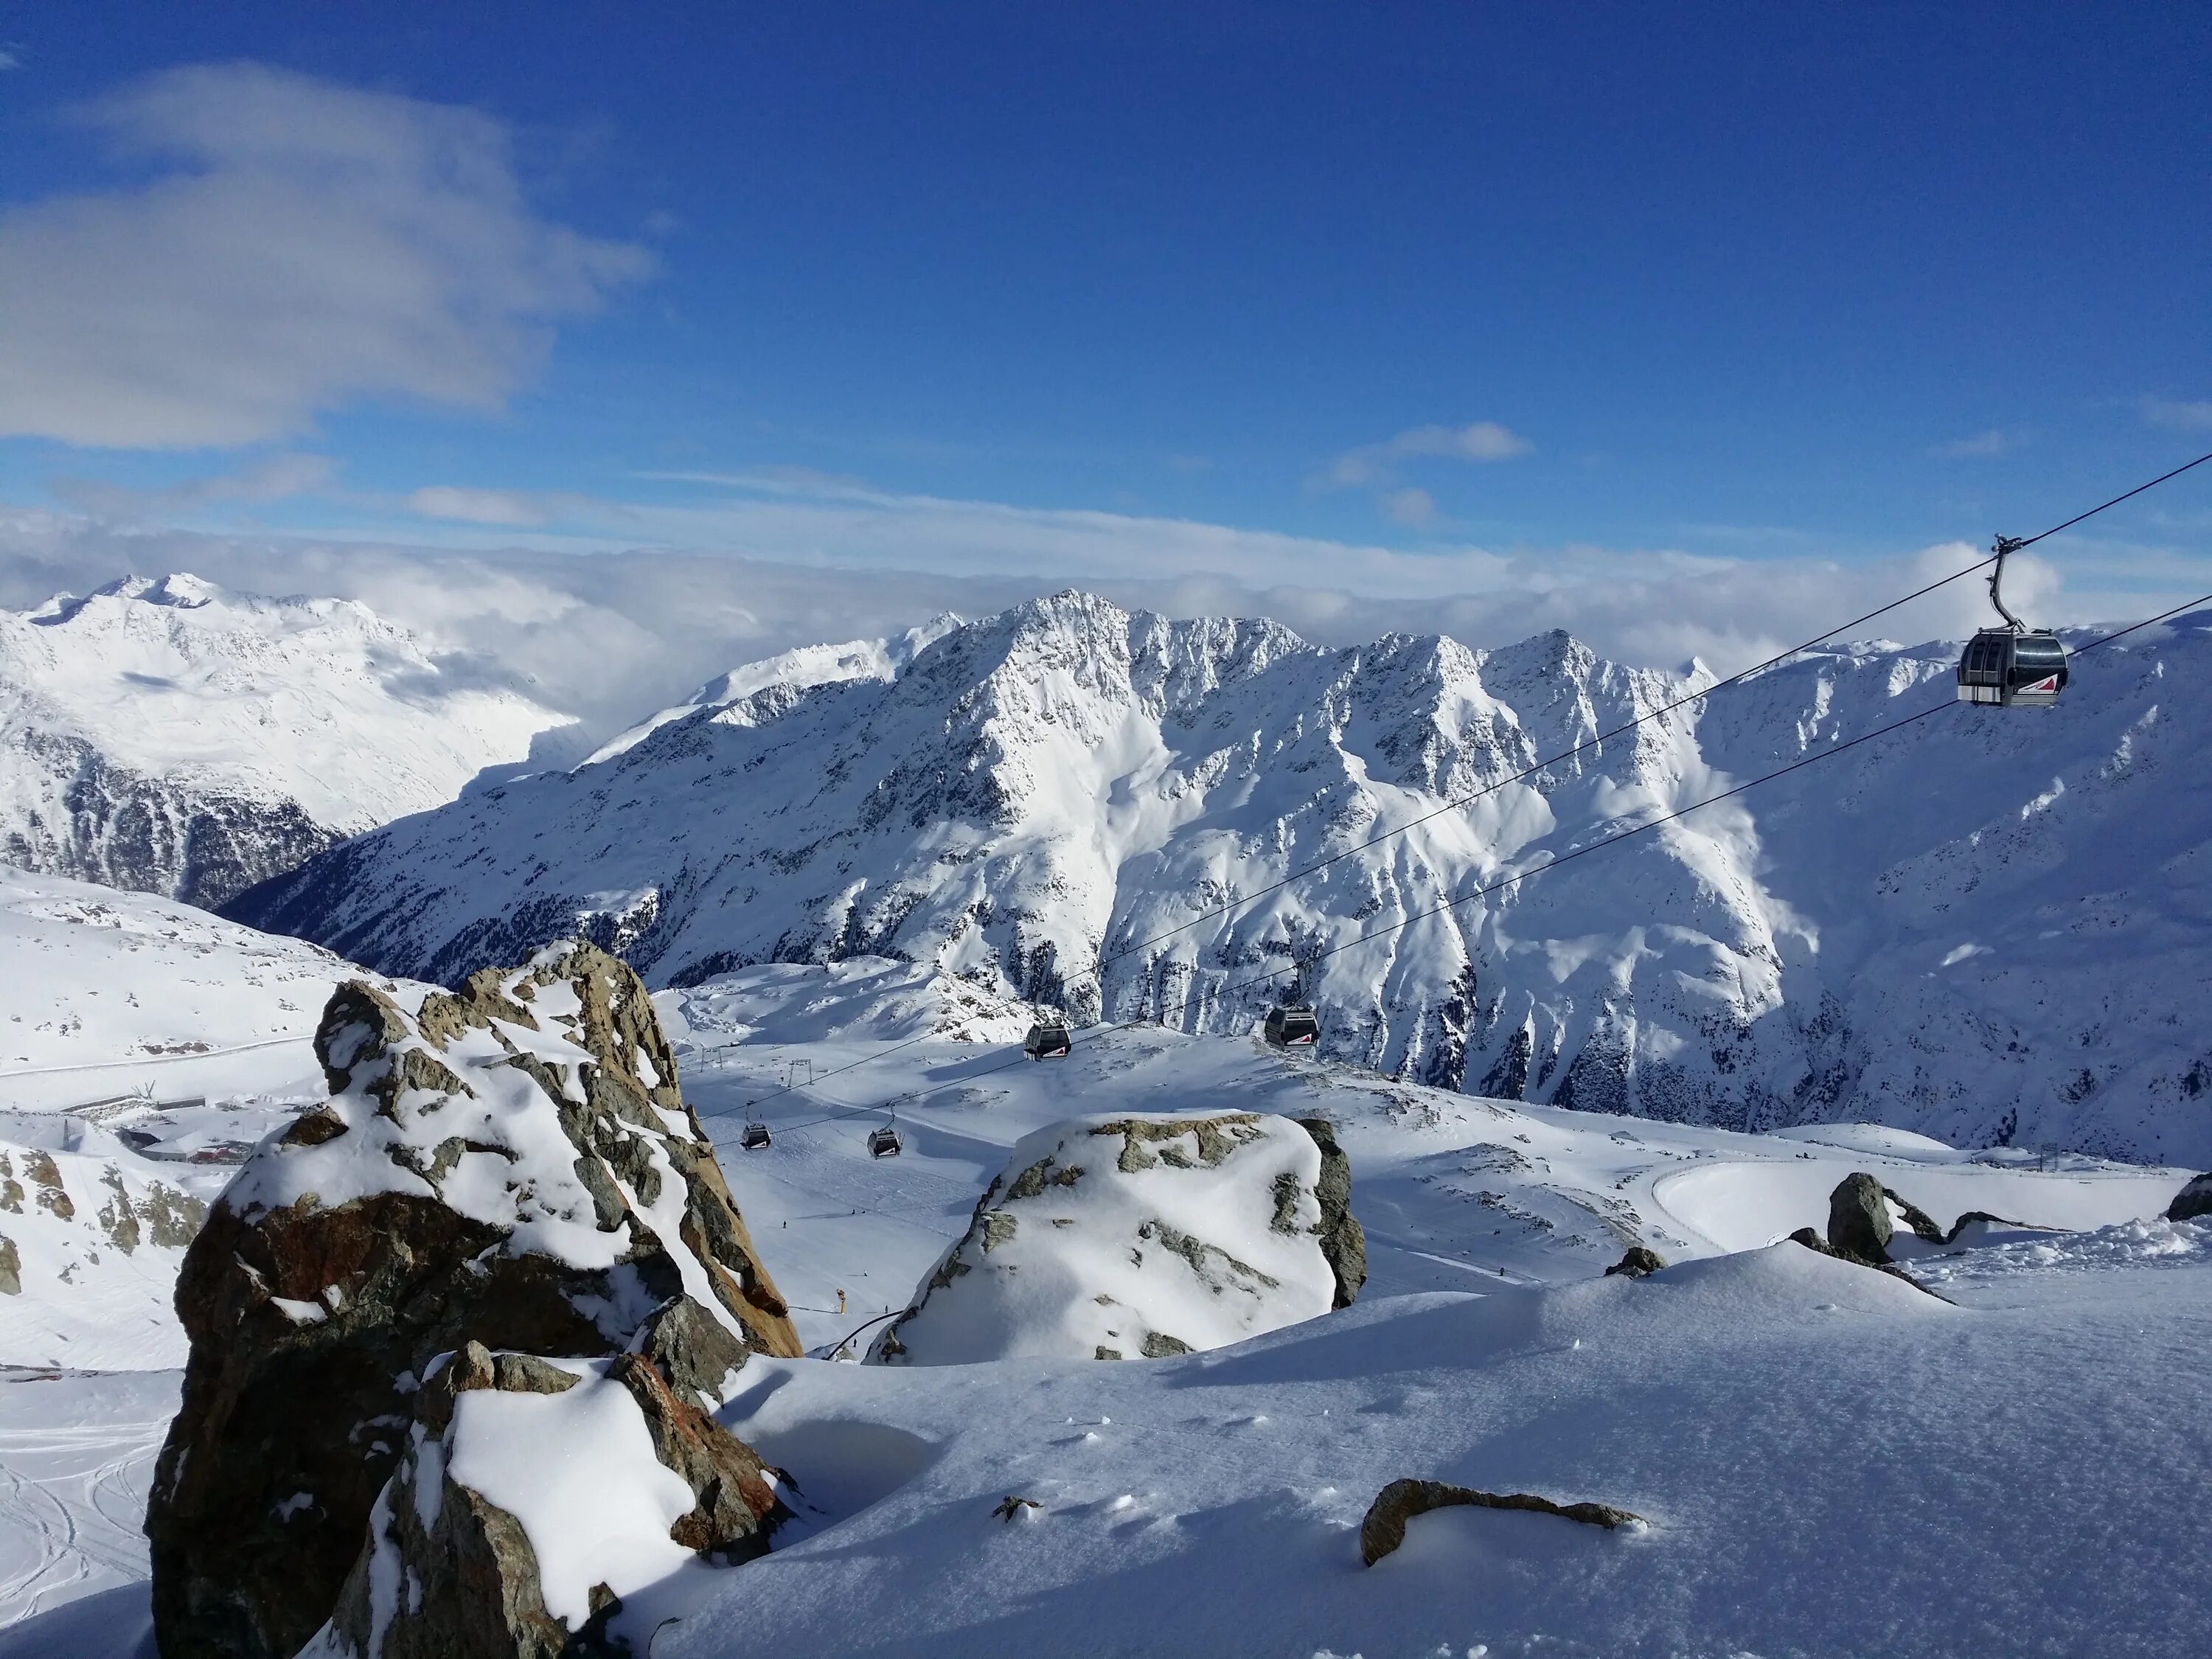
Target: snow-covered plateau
[
  {"x": 168, "y": 736},
  {"x": 1822, "y": 1460},
  {"x": 1991, "y": 928}
]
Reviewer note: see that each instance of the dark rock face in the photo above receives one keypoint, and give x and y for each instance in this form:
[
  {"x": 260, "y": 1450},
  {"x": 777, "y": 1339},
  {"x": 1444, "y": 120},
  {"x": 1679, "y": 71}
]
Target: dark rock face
[
  {"x": 1384, "y": 1527},
  {"x": 122, "y": 829},
  {"x": 1861, "y": 1223},
  {"x": 1639, "y": 1262},
  {"x": 511, "y": 1165},
  {"x": 1343, "y": 1240},
  {"x": 2193, "y": 1201},
  {"x": 1858, "y": 1218}
]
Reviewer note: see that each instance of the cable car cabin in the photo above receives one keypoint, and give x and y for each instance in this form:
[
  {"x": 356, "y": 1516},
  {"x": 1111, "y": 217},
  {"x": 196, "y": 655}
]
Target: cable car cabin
[
  {"x": 755, "y": 1137},
  {"x": 884, "y": 1143},
  {"x": 1292, "y": 1027},
  {"x": 2014, "y": 670},
  {"x": 1048, "y": 1040}
]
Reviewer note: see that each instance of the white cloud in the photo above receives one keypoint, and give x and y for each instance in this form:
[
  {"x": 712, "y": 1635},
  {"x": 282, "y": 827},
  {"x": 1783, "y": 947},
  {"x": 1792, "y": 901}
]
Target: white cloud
[
  {"x": 11, "y": 55},
  {"x": 1415, "y": 508},
  {"x": 501, "y": 507},
  {"x": 1376, "y": 463},
  {"x": 595, "y": 618},
  {"x": 1995, "y": 441},
  {"x": 2180, "y": 414},
  {"x": 273, "y": 478},
  {"x": 302, "y": 244}
]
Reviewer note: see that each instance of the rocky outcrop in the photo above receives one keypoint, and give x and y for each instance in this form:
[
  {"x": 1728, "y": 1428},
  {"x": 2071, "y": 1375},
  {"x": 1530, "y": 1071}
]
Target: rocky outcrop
[
  {"x": 1640, "y": 1262},
  {"x": 1384, "y": 1527},
  {"x": 511, "y": 1164},
  {"x": 1343, "y": 1240},
  {"x": 477, "y": 1584},
  {"x": 1862, "y": 1217},
  {"x": 2192, "y": 1200},
  {"x": 1142, "y": 1236}
]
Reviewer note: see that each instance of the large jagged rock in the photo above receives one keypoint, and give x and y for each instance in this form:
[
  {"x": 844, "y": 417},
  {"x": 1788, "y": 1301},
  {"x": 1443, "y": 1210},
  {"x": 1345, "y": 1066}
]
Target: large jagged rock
[
  {"x": 1862, "y": 1217},
  {"x": 2193, "y": 1201},
  {"x": 511, "y": 1164},
  {"x": 447, "y": 1571},
  {"x": 1151, "y": 1235}
]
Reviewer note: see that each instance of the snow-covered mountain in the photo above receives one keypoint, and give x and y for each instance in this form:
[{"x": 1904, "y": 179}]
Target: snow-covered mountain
[
  {"x": 1995, "y": 927},
  {"x": 168, "y": 736}
]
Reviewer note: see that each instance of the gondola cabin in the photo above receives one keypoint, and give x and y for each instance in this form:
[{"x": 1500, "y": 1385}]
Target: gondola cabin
[
  {"x": 1048, "y": 1040},
  {"x": 1293, "y": 1026},
  {"x": 755, "y": 1138},
  {"x": 2013, "y": 670},
  {"x": 884, "y": 1143}
]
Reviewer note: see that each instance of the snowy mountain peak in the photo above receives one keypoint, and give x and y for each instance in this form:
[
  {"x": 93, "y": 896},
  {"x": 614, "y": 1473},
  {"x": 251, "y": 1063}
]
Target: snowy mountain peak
[
  {"x": 1139, "y": 817},
  {"x": 166, "y": 734}
]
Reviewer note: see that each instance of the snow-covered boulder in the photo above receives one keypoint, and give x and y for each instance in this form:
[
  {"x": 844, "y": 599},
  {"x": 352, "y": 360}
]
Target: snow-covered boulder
[
  {"x": 1142, "y": 1236},
  {"x": 481, "y": 1545},
  {"x": 512, "y": 1164}
]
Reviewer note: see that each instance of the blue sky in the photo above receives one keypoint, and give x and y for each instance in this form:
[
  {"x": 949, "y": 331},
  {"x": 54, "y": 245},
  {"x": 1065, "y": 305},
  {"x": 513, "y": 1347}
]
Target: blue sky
[{"x": 1495, "y": 294}]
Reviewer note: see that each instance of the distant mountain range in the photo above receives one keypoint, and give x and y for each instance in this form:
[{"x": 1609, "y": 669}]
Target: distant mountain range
[
  {"x": 1995, "y": 928},
  {"x": 167, "y": 736}
]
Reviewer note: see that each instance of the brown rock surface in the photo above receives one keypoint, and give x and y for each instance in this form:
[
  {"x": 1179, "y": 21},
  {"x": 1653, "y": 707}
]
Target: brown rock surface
[
  {"x": 1384, "y": 1527},
  {"x": 512, "y": 1165}
]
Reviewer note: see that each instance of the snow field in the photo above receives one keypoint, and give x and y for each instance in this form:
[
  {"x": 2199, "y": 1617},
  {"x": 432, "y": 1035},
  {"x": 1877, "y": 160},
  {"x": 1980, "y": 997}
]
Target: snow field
[
  {"x": 112, "y": 993},
  {"x": 1830, "y": 1461}
]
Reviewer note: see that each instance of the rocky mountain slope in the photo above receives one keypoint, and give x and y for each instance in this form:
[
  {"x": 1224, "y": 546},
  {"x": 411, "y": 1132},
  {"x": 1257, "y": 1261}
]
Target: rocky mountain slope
[
  {"x": 170, "y": 737},
  {"x": 1995, "y": 928}
]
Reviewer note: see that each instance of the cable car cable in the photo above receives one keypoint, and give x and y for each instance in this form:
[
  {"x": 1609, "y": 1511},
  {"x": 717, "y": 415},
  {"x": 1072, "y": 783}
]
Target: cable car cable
[
  {"x": 1096, "y": 975},
  {"x": 2012, "y": 545},
  {"x": 1654, "y": 823},
  {"x": 1017, "y": 1059}
]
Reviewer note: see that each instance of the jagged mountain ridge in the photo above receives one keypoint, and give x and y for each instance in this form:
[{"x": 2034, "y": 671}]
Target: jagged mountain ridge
[
  {"x": 1993, "y": 928},
  {"x": 164, "y": 735}
]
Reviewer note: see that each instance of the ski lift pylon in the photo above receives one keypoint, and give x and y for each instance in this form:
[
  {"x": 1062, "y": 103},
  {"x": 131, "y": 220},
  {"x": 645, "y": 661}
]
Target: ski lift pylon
[{"x": 2014, "y": 667}]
